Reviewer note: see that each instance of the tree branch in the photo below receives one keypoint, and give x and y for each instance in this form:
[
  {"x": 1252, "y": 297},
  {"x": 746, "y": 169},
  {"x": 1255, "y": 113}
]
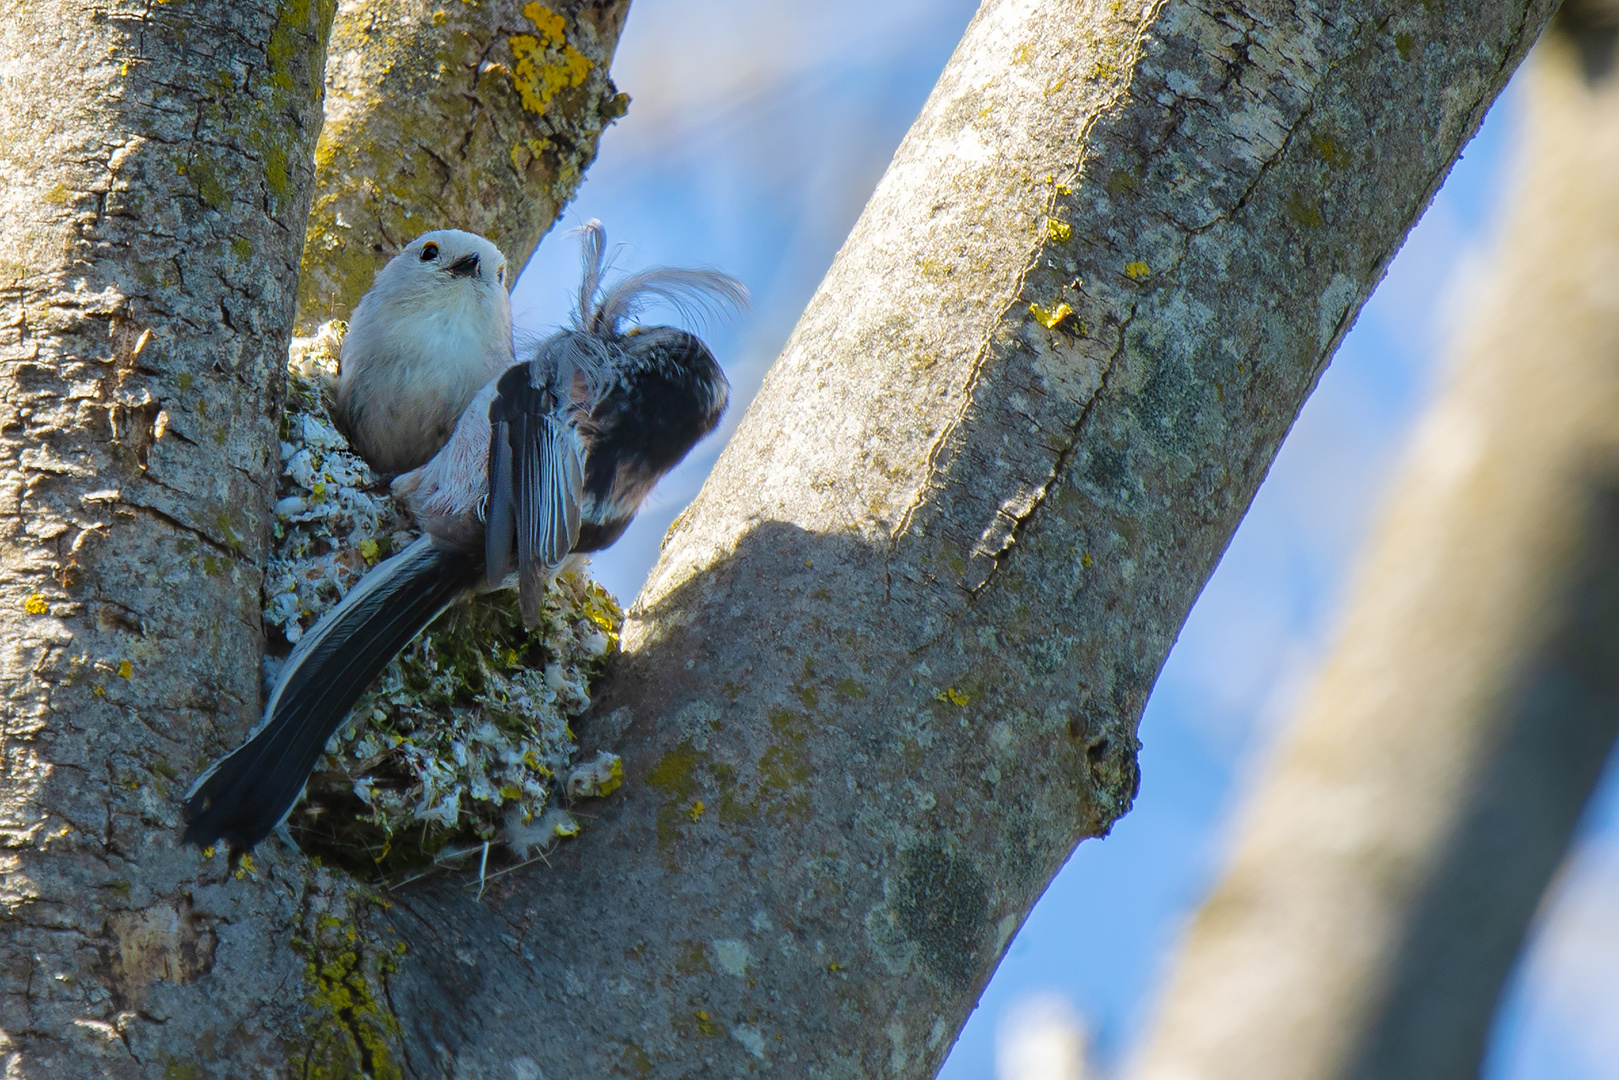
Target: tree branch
[
  {"x": 473, "y": 116},
  {"x": 888, "y": 670},
  {"x": 154, "y": 183},
  {"x": 1393, "y": 856}
]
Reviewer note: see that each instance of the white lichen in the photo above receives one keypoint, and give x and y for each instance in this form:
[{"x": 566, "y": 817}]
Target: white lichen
[
  {"x": 596, "y": 779},
  {"x": 464, "y": 736}
]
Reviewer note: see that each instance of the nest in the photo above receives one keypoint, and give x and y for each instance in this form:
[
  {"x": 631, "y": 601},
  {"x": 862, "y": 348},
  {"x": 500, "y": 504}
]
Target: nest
[{"x": 463, "y": 741}]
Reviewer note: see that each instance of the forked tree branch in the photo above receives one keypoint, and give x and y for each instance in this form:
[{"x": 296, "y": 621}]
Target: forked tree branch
[{"x": 889, "y": 668}]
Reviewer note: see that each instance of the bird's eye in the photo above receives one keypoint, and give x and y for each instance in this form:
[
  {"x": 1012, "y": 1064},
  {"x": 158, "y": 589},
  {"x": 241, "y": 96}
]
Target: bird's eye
[
  {"x": 429, "y": 252},
  {"x": 500, "y": 274}
]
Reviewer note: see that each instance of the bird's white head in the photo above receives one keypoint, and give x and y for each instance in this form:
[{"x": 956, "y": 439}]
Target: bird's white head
[
  {"x": 442, "y": 268},
  {"x": 434, "y": 327}
]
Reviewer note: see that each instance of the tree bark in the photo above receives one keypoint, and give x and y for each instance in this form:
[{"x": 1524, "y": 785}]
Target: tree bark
[
  {"x": 888, "y": 670},
  {"x": 154, "y": 184},
  {"x": 481, "y": 117},
  {"x": 1393, "y": 856}
]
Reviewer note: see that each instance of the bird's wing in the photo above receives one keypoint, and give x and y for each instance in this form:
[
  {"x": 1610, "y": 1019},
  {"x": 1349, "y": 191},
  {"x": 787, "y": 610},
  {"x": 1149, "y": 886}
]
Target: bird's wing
[
  {"x": 500, "y": 523},
  {"x": 536, "y": 483}
]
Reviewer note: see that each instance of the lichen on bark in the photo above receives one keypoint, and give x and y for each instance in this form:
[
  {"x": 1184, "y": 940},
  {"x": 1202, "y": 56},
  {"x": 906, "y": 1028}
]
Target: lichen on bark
[
  {"x": 154, "y": 178},
  {"x": 889, "y": 670},
  {"x": 889, "y": 667},
  {"x": 481, "y": 117}
]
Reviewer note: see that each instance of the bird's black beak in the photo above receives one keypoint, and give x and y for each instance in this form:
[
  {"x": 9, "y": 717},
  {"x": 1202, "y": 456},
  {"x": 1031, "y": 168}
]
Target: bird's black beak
[{"x": 465, "y": 266}]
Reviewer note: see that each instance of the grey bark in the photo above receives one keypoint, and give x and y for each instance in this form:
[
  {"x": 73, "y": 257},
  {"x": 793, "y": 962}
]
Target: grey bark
[
  {"x": 154, "y": 184},
  {"x": 476, "y": 116},
  {"x": 1395, "y": 851},
  {"x": 155, "y": 178},
  {"x": 888, "y": 670}
]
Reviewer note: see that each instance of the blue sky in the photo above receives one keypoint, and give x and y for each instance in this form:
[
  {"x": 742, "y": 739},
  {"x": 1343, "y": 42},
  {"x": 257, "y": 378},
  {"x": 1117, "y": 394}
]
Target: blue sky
[{"x": 756, "y": 132}]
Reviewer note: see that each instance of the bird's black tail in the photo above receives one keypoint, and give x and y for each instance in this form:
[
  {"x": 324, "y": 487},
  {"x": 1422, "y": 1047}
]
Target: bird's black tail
[{"x": 247, "y": 794}]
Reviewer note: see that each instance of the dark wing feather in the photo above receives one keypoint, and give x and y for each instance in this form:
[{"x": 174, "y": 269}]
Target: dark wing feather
[
  {"x": 244, "y": 795},
  {"x": 500, "y": 524},
  {"x": 545, "y": 464}
]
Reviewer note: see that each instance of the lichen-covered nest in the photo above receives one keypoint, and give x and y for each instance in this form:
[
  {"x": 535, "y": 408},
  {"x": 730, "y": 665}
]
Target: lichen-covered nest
[{"x": 464, "y": 738}]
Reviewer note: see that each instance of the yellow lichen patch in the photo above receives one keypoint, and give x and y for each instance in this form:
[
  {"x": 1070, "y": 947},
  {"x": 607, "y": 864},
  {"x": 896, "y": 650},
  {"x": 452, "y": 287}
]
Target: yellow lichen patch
[
  {"x": 601, "y": 608},
  {"x": 1120, "y": 182},
  {"x": 850, "y": 689},
  {"x": 674, "y": 773},
  {"x": 1330, "y": 151},
  {"x": 680, "y": 520},
  {"x": 545, "y": 63},
  {"x": 1303, "y": 211},
  {"x": 784, "y": 768},
  {"x": 696, "y": 811},
  {"x": 351, "y": 1029},
  {"x": 675, "y": 776},
  {"x": 951, "y": 696},
  {"x": 126, "y": 669},
  {"x": 1060, "y": 231},
  {"x": 934, "y": 270},
  {"x": 1138, "y": 271},
  {"x": 1051, "y": 318},
  {"x": 614, "y": 781},
  {"x": 527, "y": 151},
  {"x": 275, "y": 171},
  {"x": 205, "y": 174},
  {"x": 36, "y": 605}
]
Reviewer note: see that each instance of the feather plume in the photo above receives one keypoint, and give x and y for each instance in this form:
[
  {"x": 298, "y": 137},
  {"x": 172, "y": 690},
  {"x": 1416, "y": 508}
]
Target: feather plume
[{"x": 697, "y": 294}]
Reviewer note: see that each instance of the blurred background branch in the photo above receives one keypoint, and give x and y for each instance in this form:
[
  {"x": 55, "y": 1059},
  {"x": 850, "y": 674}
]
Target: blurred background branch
[{"x": 1393, "y": 854}]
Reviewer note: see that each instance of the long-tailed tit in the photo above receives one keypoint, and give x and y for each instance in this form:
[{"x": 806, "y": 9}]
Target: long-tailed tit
[
  {"x": 551, "y": 458},
  {"x": 435, "y": 326}
]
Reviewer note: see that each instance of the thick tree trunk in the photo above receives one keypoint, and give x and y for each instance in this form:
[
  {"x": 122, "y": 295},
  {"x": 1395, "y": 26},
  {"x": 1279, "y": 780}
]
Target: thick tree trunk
[
  {"x": 1393, "y": 856},
  {"x": 154, "y": 184},
  {"x": 452, "y": 115},
  {"x": 889, "y": 668}
]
